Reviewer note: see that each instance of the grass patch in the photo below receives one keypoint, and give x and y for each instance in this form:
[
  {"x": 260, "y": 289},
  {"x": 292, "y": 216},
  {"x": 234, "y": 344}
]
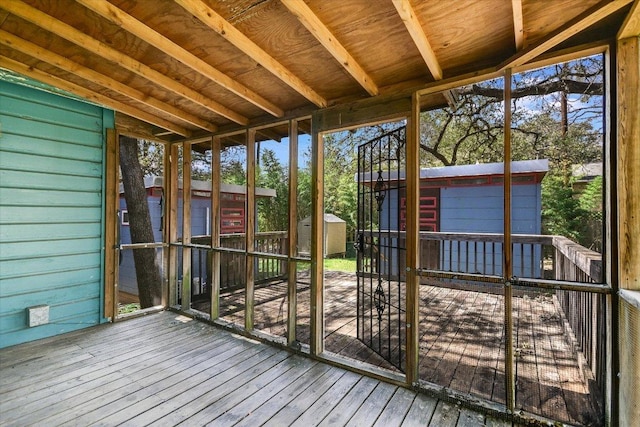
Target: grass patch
[
  {"x": 128, "y": 308},
  {"x": 340, "y": 264}
]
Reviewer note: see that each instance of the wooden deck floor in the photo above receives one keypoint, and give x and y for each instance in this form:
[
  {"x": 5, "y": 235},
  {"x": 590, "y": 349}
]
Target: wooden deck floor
[
  {"x": 462, "y": 342},
  {"x": 165, "y": 369}
]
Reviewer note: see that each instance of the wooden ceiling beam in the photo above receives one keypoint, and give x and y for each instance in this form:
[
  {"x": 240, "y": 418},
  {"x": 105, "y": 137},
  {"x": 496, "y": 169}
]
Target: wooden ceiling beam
[
  {"x": 218, "y": 24},
  {"x": 42, "y": 54},
  {"x": 99, "y": 48},
  {"x": 518, "y": 24},
  {"x": 420, "y": 39},
  {"x": 135, "y": 128},
  {"x": 330, "y": 43},
  {"x": 82, "y": 92},
  {"x": 154, "y": 38},
  {"x": 631, "y": 25},
  {"x": 571, "y": 28}
]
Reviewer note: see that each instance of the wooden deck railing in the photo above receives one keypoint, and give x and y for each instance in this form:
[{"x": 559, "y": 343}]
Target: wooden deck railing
[
  {"x": 584, "y": 312},
  {"x": 533, "y": 256},
  {"x": 575, "y": 262},
  {"x": 232, "y": 264}
]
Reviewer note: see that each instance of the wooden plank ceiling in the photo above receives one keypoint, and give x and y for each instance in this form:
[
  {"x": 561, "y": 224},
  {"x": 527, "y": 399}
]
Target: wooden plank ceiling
[{"x": 192, "y": 67}]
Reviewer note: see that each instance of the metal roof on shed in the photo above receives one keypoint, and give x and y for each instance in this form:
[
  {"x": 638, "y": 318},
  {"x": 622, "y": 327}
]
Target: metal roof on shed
[{"x": 458, "y": 171}]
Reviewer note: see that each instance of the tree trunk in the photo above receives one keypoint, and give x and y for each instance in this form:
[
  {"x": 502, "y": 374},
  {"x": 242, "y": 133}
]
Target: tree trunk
[{"x": 147, "y": 268}]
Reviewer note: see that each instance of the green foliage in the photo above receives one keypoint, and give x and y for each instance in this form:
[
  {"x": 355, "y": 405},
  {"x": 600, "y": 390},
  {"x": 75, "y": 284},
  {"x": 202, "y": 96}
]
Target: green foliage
[
  {"x": 128, "y": 308},
  {"x": 232, "y": 172},
  {"x": 340, "y": 264},
  {"x": 561, "y": 211},
  {"x": 272, "y": 211},
  {"x": 151, "y": 157},
  {"x": 591, "y": 198},
  {"x": 340, "y": 187},
  {"x": 575, "y": 215},
  {"x": 591, "y": 202},
  {"x": 304, "y": 193},
  {"x": 540, "y": 137}
]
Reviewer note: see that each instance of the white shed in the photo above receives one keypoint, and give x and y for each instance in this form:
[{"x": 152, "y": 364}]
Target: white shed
[{"x": 335, "y": 235}]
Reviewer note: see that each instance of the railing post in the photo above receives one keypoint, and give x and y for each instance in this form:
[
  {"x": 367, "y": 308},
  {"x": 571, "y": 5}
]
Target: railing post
[
  {"x": 216, "y": 271},
  {"x": 412, "y": 241},
  {"x": 172, "y": 192},
  {"x": 317, "y": 239},
  {"x": 292, "y": 235},
  {"x": 250, "y": 214},
  {"x": 507, "y": 250},
  {"x": 186, "y": 227}
]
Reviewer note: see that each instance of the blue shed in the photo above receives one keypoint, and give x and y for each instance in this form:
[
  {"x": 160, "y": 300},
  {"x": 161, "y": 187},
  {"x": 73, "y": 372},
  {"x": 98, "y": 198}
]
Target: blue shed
[
  {"x": 232, "y": 218},
  {"x": 469, "y": 199}
]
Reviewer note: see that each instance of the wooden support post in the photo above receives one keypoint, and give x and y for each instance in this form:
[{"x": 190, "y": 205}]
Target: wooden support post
[
  {"x": 112, "y": 224},
  {"x": 413, "y": 241},
  {"x": 292, "y": 250},
  {"x": 250, "y": 216},
  {"x": 317, "y": 239},
  {"x": 216, "y": 147},
  {"x": 629, "y": 162},
  {"x": 628, "y": 239},
  {"x": 171, "y": 205},
  {"x": 166, "y": 168},
  {"x": 186, "y": 227},
  {"x": 507, "y": 250},
  {"x": 612, "y": 388}
]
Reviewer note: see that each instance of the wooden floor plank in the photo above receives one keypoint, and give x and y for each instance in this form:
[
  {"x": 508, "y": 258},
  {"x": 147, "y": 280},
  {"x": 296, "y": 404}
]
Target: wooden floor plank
[
  {"x": 329, "y": 399},
  {"x": 238, "y": 411},
  {"x": 150, "y": 382},
  {"x": 482, "y": 382},
  {"x": 474, "y": 341},
  {"x": 61, "y": 405},
  {"x": 526, "y": 355},
  {"x": 198, "y": 398},
  {"x": 269, "y": 407},
  {"x": 143, "y": 412},
  {"x": 16, "y": 354},
  {"x": 469, "y": 418},
  {"x": 350, "y": 403},
  {"x": 291, "y": 412},
  {"x": 68, "y": 410},
  {"x": 396, "y": 409},
  {"x": 370, "y": 410},
  {"x": 445, "y": 415},
  {"x": 209, "y": 385},
  {"x": 91, "y": 352},
  {"x": 278, "y": 375},
  {"x": 97, "y": 369},
  {"x": 421, "y": 411},
  {"x": 454, "y": 350}
]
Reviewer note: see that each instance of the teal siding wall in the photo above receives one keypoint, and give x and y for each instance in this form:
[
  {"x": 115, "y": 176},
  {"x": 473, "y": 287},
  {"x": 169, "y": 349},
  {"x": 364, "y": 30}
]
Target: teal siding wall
[{"x": 51, "y": 211}]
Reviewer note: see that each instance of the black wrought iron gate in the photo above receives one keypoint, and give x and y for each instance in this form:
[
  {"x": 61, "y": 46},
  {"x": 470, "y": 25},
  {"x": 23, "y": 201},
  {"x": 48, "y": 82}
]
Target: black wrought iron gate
[{"x": 381, "y": 246}]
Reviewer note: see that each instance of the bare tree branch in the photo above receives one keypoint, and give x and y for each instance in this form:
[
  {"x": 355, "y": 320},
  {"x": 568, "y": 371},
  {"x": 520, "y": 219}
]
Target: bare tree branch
[{"x": 542, "y": 88}]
